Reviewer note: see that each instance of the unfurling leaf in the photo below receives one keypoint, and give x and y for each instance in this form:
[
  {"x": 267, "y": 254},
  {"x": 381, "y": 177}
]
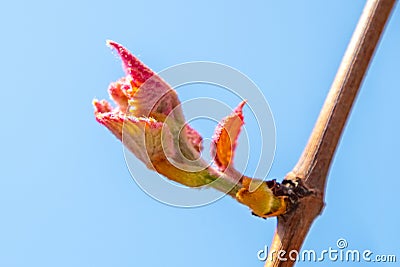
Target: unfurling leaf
[
  {"x": 225, "y": 138},
  {"x": 149, "y": 120}
]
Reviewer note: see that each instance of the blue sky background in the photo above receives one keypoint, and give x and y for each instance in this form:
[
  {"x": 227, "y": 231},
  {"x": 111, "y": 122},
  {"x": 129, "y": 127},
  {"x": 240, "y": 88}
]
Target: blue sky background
[{"x": 66, "y": 196}]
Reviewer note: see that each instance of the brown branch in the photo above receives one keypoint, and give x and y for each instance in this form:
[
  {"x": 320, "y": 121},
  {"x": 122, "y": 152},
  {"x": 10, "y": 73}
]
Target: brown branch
[{"x": 314, "y": 163}]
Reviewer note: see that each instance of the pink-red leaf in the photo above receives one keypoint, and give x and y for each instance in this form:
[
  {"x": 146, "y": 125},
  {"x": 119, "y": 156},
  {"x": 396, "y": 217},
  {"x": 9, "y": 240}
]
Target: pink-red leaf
[
  {"x": 194, "y": 138},
  {"x": 149, "y": 95},
  {"x": 132, "y": 65}
]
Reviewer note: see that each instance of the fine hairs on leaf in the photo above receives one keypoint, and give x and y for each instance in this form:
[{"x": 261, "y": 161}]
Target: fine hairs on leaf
[{"x": 148, "y": 119}]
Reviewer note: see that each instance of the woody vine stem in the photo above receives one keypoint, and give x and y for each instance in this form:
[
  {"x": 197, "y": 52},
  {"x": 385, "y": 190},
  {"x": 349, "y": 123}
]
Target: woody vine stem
[{"x": 314, "y": 163}]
